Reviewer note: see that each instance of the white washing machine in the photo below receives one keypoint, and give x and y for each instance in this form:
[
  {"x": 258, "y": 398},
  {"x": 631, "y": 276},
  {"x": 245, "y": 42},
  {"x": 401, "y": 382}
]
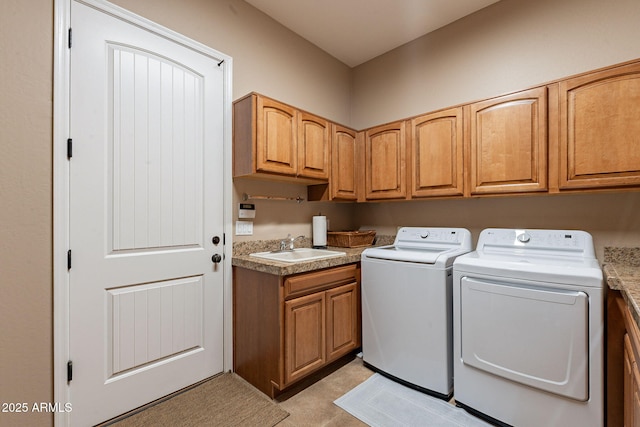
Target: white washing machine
[
  {"x": 528, "y": 309},
  {"x": 406, "y": 307}
]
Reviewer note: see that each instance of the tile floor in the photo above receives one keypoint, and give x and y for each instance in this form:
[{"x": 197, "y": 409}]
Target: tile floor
[{"x": 314, "y": 405}]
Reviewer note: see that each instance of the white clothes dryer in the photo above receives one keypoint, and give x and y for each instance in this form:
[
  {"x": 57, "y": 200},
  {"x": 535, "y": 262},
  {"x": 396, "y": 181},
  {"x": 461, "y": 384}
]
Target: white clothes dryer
[
  {"x": 528, "y": 310},
  {"x": 406, "y": 307}
]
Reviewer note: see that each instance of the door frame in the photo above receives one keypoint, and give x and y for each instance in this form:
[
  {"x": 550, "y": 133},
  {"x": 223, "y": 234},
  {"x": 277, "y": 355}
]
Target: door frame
[{"x": 61, "y": 195}]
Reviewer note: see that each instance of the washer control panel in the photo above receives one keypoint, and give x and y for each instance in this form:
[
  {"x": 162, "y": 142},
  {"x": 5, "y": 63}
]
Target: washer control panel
[{"x": 420, "y": 234}]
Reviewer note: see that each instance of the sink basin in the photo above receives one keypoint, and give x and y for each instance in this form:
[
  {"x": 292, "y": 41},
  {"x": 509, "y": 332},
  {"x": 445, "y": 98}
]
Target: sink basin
[{"x": 298, "y": 255}]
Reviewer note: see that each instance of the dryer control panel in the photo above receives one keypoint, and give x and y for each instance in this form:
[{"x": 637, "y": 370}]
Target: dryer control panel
[{"x": 569, "y": 242}]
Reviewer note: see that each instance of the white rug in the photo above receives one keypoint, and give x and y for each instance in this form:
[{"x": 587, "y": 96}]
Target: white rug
[{"x": 381, "y": 402}]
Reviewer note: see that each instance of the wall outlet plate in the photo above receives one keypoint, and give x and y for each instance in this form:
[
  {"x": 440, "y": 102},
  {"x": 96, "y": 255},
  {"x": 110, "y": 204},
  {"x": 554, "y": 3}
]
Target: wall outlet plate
[{"x": 244, "y": 228}]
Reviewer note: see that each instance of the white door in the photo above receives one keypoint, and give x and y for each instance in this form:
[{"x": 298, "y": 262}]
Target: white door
[{"x": 146, "y": 200}]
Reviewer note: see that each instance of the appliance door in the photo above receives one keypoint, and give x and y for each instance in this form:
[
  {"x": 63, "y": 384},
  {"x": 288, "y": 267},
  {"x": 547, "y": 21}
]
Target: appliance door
[
  {"x": 407, "y": 322},
  {"x": 530, "y": 334}
]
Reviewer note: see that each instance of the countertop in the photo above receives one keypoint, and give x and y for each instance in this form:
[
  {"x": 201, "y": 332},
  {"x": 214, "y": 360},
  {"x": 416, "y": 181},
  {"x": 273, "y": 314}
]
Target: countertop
[
  {"x": 241, "y": 257},
  {"x": 621, "y": 267}
]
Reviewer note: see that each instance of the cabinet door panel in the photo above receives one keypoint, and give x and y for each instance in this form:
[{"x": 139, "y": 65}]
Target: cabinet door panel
[
  {"x": 345, "y": 164},
  {"x": 600, "y": 129},
  {"x": 629, "y": 394},
  {"x": 342, "y": 321},
  {"x": 305, "y": 341},
  {"x": 276, "y": 137},
  {"x": 313, "y": 146},
  {"x": 385, "y": 162},
  {"x": 509, "y": 143},
  {"x": 436, "y": 154},
  {"x": 636, "y": 396}
]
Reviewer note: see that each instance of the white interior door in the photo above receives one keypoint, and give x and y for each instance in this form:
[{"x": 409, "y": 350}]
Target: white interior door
[{"x": 146, "y": 200}]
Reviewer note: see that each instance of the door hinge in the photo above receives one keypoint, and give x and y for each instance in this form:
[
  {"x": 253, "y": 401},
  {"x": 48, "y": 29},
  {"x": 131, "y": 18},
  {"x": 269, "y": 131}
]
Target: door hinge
[
  {"x": 69, "y": 259},
  {"x": 69, "y": 371},
  {"x": 69, "y": 148},
  {"x": 69, "y": 38}
]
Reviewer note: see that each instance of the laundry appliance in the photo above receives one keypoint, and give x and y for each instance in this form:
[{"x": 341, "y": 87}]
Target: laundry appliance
[
  {"x": 407, "y": 307},
  {"x": 528, "y": 309}
]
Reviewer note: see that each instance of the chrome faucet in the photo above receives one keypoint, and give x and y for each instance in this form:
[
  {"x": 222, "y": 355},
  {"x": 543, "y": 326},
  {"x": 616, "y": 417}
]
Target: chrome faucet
[{"x": 287, "y": 244}]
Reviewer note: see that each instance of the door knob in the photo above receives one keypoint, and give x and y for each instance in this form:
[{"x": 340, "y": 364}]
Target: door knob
[
  {"x": 216, "y": 258},
  {"x": 215, "y": 240}
]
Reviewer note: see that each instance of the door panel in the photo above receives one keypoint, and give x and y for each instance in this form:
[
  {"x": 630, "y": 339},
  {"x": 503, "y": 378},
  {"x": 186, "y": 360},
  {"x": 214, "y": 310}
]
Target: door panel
[
  {"x": 305, "y": 341},
  {"x": 146, "y": 302},
  {"x": 313, "y": 146},
  {"x": 599, "y": 128},
  {"x": 153, "y": 321},
  {"x": 437, "y": 161},
  {"x": 345, "y": 164},
  {"x": 385, "y": 153},
  {"x": 342, "y": 320},
  {"x": 509, "y": 143},
  {"x": 156, "y": 138},
  {"x": 276, "y": 133},
  {"x": 534, "y": 336}
]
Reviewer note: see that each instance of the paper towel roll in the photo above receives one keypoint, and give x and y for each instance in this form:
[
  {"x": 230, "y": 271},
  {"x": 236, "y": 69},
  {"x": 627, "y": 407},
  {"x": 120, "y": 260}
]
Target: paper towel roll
[{"x": 319, "y": 231}]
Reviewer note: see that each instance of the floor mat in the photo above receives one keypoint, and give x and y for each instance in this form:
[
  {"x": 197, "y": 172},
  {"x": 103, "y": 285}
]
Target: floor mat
[{"x": 381, "y": 402}]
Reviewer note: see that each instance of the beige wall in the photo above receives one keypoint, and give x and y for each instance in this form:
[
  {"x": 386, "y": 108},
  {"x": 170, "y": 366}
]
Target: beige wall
[
  {"x": 511, "y": 45},
  {"x": 26, "y": 36},
  {"x": 508, "y": 46}
]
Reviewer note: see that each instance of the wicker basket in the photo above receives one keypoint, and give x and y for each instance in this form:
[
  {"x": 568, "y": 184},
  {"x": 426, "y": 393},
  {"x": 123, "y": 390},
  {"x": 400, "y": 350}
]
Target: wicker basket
[{"x": 350, "y": 239}]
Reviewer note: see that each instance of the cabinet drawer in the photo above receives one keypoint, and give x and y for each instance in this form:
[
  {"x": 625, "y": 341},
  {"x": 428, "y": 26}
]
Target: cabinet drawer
[{"x": 319, "y": 280}]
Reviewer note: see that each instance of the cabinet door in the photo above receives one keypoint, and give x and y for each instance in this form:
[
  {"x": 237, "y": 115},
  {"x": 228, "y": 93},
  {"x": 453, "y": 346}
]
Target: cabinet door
[
  {"x": 629, "y": 393},
  {"x": 313, "y": 146},
  {"x": 600, "y": 129},
  {"x": 385, "y": 162},
  {"x": 344, "y": 164},
  {"x": 435, "y": 153},
  {"x": 636, "y": 396},
  {"x": 343, "y": 334},
  {"x": 509, "y": 143},
  {"x": 275, "y": 137},
  {"x": 305, "y": 343}
]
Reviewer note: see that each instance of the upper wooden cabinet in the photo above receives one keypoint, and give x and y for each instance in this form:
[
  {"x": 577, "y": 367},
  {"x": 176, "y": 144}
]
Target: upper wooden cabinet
[
  {"x": 508, "y": 143},
  {"x": 313, "y": 146},
  {"x": 345, "y": 164},
  {"x": 385, "y": 151},
  {"x": 600, "y": 129},
  {"x": 274, "y": 139},
  {"x": 436, "y": 161}
]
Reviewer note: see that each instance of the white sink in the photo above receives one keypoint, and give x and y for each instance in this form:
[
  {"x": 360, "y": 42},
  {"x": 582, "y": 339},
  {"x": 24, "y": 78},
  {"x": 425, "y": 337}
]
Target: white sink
[{"x": 298, "y": 255}]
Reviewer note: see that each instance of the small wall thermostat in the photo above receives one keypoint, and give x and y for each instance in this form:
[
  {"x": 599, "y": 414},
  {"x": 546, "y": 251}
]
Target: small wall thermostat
[{"x": 247, "y": 210}]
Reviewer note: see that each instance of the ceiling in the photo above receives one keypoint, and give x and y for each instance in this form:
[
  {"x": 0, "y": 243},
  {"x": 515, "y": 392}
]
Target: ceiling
[{"x": 355, "y": 31}]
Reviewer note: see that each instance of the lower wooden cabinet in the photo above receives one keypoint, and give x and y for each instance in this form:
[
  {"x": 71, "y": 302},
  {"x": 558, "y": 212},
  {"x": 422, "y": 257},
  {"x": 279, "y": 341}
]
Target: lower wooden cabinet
[
  {"x": 623, "y": 355},
  {"x": 286, "y": 328},
  {"x": 631, "y": 385}
]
